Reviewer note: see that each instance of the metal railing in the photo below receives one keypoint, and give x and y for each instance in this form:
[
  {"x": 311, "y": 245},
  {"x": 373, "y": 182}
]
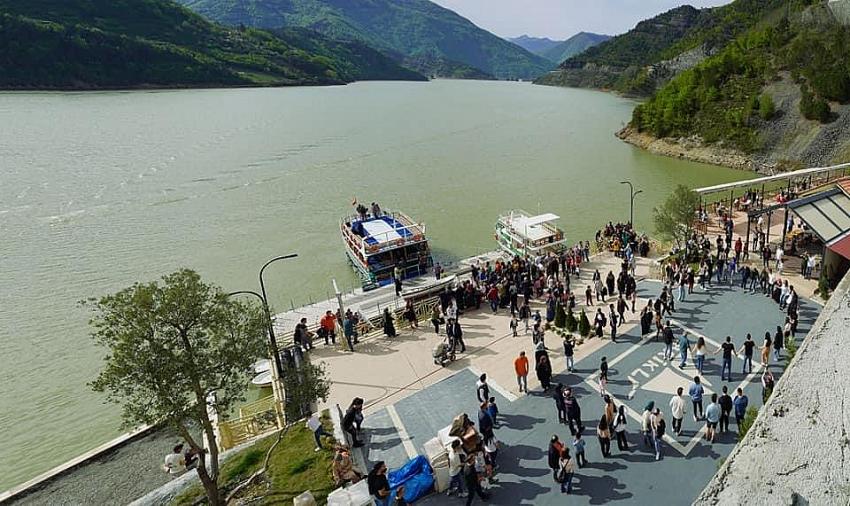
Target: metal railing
[{"x": 257, "y": 422}]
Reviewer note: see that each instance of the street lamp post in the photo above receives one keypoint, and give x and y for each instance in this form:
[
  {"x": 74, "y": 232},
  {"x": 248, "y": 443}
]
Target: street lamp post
[
  {"x": 632, "y": 194},
  {"x": 277, "y": 387},
  {"x": 272, "y": 339}
]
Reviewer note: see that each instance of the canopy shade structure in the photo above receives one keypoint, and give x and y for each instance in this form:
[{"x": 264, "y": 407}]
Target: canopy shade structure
[
  {"x": 784, "y": 176},
  {"x": 827, "y": 214},
  {"x": 532, "y": 226}
]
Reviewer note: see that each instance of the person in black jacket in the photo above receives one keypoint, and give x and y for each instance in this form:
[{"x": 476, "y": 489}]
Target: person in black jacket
[
  {"x": 349, "y": 421},
  {"x": 573, "y": 412},
  {"x": 485, "y": 422},
  {"x": 455, "y": 334},
  {"x": 725, "y": 402},
  {"x": 555, "y": 448},
  {"x": 473, "y": 481},
  {"x": 559, "y": 403},
  {"x": 379, "y": 486}
]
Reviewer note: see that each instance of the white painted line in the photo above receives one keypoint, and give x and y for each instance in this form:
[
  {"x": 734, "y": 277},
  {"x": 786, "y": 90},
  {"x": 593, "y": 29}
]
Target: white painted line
[
  {"x": 698, "y": 335},
  {"x": 639, "y": 418},
  {"x": 402, "y": 432},
  {"x": 492, "y": 384},
  {"x": 618, "y": 358}
]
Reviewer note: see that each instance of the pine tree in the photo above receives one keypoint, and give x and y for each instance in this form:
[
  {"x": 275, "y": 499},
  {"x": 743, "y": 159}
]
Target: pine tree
[
  {"x": 583, "y": 325},
  {"x": 560, "y": 316},
  {"x": 572, "y": 323}
]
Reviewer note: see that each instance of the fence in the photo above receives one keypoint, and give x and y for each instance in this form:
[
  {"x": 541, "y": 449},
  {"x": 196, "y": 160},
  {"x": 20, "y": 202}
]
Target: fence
[{"x": 255, "y": 419}]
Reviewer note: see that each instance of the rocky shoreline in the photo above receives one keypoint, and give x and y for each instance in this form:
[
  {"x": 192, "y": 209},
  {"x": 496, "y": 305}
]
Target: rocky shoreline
[{"x": 692, "y": 148}]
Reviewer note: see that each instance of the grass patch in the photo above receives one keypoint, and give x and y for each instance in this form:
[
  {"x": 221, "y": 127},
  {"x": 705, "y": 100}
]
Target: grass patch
[{"x": 293, "y": 468}]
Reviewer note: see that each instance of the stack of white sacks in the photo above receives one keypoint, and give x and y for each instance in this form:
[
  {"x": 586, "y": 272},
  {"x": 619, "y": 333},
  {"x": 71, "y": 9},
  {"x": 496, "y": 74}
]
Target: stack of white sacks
[
  {"x": 352, "y": 495},
  {"x": 436, "y": 451}
]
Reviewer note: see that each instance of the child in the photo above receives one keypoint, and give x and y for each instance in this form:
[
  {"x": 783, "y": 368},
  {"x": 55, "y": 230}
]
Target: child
[
  {"x": 491, "y": 451},
  {"x": 578, "y": 446},
  {"x": 492, "y": 409},
  {"x": 513, "y": 325}
]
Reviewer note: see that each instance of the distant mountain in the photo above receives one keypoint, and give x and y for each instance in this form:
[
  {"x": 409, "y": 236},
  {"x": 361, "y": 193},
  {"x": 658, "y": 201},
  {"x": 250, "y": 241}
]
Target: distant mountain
[
  {"x": 535, "y": 45},
  {"x": 576, "y": 44},
  {"x": 400, "y": 28},
  {"x": 559, "y": 50},
  {"x": 86, "y": 44}
]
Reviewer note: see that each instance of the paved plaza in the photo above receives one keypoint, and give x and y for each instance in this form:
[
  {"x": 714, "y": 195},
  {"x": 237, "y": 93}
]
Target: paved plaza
[{"x": 405, "y": 416}]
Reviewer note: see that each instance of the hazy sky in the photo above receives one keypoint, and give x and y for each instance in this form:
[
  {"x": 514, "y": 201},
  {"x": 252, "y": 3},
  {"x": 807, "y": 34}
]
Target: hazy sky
[{"x": 559, "y": 19}]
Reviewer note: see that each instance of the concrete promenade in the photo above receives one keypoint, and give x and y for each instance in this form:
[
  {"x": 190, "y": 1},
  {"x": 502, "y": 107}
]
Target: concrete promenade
[{"x": 409, "y": 398}]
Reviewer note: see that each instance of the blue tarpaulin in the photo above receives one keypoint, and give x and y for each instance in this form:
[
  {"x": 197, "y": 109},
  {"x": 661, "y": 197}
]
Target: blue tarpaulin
[{"x": 416, "y": 476}]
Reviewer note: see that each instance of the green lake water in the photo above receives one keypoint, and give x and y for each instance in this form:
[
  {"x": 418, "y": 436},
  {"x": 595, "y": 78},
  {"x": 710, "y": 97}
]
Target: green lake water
[{"x": 99, "y": 190}]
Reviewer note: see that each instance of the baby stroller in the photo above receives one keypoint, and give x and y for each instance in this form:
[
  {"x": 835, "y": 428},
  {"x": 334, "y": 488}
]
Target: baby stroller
[{"x": 443, "y": 353}]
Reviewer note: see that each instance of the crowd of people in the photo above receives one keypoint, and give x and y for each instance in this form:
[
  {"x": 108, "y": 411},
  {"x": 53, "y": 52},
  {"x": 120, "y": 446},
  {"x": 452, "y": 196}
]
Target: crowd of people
[
  {"x": 619, "y": 237},
  {"x": 551, "y": 280}
]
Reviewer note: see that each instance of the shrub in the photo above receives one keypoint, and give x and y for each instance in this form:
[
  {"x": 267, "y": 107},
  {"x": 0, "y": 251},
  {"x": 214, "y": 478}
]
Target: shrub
[
  {"x": 560, "y": 316},
  {"x": 790, "y": 351},
  {"x": 749, "y": 419},
  {"x": 823, "y": 287},
  {"x": 583, "y": 325},
  {"x": 814, "y": 107},
  {"x": 767, "y": 109},
  {"x": 572, "y": 323}
]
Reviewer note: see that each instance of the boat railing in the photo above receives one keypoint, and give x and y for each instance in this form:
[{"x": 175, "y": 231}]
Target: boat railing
[{"x": 416, "y": 234}]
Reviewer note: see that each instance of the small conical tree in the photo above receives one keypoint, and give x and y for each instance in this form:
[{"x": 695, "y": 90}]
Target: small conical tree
[
  {"x": 572, "y": 323},
  {"x": 560, "y": 316},
  {"x": 583, "y": 325}
]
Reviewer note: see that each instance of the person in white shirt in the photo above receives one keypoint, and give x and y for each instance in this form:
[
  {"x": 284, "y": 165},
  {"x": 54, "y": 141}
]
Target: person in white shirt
[
  {"x": 456, "y": 460},
  {"x": 677, "y": 410},
  {"x": 175, "y": 463},
  {"x": 315, "y": 425},
  {"x": 779, "y": 254}
]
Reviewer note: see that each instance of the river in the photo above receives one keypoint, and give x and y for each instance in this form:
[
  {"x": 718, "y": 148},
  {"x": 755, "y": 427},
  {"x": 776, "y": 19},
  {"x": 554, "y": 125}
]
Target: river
[{"x": 99, "y": 190}]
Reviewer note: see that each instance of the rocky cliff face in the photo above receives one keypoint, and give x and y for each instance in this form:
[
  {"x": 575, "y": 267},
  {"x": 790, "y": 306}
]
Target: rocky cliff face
[{"x": 787, "y": 141}]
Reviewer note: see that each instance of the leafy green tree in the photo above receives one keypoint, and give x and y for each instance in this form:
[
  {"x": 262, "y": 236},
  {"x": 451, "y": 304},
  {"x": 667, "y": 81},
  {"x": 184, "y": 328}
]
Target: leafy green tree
[
  {"x": 675, "y": 218},
  {"x": 304, "y": 386},
  {"x": 583, "y": 325},
  {"x": 571, "y": 322},
  {"x": 560, "y": 316},
  {"x": 176, "y": 349}
]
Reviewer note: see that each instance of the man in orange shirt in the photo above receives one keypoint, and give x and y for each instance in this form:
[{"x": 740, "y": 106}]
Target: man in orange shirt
[
  {"x": 521, "y": 368},
  {"x": 328, "y": 327}
]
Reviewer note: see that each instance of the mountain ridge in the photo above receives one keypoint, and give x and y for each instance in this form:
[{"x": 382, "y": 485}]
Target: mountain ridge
[
  {"x": 98, "y": 44},
  {"x": 557, "y": 51},
  {"x": 412, "y": 28}
]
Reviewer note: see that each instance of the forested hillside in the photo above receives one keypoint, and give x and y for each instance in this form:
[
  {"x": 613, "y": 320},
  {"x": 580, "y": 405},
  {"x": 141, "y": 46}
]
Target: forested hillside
[
  {"x": 416, "y": 29},
  {"x": 645, "y": 57},
  {"x": 85, "y": 44},
  {"x": 722, "y": 98}
]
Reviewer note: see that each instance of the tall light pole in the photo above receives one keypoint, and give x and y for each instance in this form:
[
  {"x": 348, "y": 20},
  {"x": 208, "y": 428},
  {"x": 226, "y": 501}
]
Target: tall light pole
[
  {"x": 272, "y": 339},
  {"x": 632, "y": 194},
  {"x": 277, "y": 386}
]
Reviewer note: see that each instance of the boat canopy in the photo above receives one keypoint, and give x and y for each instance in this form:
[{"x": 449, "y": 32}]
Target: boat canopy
[{"x": 532, "y": 226}]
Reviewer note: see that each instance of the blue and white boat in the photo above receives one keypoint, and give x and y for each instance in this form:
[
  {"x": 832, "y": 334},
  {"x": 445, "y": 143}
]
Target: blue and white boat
[{"x": 377, "y": 244}]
